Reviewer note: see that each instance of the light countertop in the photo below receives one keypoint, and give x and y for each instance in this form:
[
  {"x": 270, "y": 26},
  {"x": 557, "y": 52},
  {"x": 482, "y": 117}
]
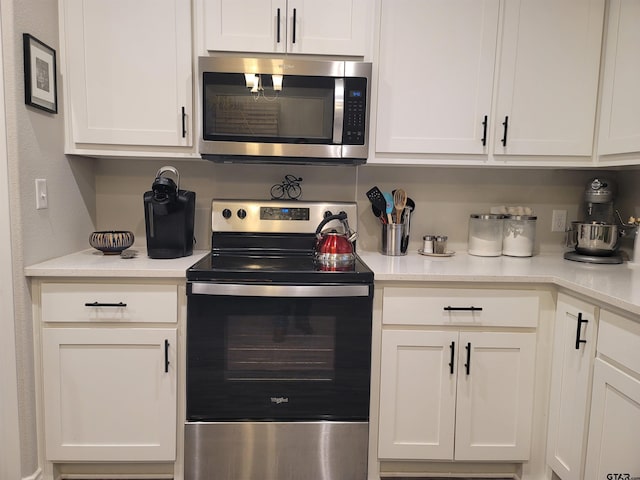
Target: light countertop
[
  {"x": 92, "y": 263},
  {"x": 617, "y": 285}
]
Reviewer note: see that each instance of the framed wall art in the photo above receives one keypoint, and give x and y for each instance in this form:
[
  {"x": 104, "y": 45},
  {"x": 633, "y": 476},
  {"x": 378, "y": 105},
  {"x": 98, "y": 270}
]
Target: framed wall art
[{"x": 40, "y": 88}]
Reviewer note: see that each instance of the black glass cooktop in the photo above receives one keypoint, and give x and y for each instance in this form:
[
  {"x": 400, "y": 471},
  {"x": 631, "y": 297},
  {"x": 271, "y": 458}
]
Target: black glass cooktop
[{"x": 299, "y": 268}]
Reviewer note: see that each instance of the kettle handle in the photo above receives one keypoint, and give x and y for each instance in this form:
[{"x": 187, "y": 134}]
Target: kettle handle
[
  {"x": 173, "y": 170},
  {"x": 342, "y": 216}
]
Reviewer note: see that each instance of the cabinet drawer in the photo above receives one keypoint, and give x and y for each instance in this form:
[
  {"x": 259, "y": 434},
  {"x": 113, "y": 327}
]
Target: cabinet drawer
[
  {"x": 97, "y": 302},
  {"x": 460, "y": 307},
  {"x": 619, "y": 339}
]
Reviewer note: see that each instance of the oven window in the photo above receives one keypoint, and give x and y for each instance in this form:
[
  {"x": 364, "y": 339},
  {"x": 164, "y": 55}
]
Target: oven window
[
  {"x": 283, "y": 348},
  {"x": 301, "y": 112}
]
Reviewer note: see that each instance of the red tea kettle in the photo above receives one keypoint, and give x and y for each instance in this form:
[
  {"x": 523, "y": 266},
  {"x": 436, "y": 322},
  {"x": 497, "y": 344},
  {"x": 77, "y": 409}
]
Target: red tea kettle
[{"x": 334, "y": 251}]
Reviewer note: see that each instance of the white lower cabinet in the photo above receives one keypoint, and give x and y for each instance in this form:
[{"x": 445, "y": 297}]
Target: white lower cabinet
[
  {"x": 109, "y": 366},
  {"x": 574, "y": 351},
  {"x": 614, "y": 427},
  {"x": 456, "y": 393},
  {"x": 110, "y": 394}
]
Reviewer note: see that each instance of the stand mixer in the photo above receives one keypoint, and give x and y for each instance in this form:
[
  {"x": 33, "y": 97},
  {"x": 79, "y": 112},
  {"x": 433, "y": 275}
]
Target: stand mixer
[{"x": 595, "y": 239}]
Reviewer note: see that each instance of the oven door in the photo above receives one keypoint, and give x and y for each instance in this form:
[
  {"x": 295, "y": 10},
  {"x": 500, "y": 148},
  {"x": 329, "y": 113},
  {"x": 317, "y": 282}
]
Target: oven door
[{"x": 278, "y": 352}]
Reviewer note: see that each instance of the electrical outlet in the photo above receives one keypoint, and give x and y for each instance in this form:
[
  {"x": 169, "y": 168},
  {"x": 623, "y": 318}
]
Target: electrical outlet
[
  {"x": 42, "y": 199},
  {"x": 559, "y": 221}
]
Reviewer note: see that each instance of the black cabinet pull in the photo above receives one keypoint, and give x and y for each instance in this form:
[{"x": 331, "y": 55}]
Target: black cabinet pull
[
  {"x": 505, "y": 124},
  {"x": 580, "y": 322},
  {"x": 184, "y": 123},
  {"x": 166, "y": 356},
  {"x": 463, "y": 309},
  {"x": 484, "y": 131},
  {"x": 468, "y": 364},
  {"x": 453, "y": 350},
  {"x": 294, "y": 25},
  {"x": 99, "y": 304},
  {"x": 278, "y": 28}
]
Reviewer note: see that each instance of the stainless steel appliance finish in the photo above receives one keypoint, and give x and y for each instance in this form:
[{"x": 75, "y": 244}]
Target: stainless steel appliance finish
[
  {"x": 595, "y": 238},
  {"x": 263, "y": 217},
  {"x": 333, "y": 98},
  {"x": 276, "y": 450},
  {"x": 278, "y": 349}
]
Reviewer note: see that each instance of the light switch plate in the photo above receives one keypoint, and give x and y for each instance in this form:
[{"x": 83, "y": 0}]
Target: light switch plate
[{"x": 42, "y": 199}]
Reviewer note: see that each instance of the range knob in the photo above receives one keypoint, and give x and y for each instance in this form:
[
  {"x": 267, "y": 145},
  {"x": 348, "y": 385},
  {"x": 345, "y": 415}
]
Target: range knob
[
  {"x": 242, "y": 213},
  {"x": 226, "y": 213}
]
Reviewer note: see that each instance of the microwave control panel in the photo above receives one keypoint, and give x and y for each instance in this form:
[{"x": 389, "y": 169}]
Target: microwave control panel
[{"x": 353, "y": 131}]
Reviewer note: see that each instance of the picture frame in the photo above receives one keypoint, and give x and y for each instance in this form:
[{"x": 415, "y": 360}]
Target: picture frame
[{"x": 40, "y": 70}]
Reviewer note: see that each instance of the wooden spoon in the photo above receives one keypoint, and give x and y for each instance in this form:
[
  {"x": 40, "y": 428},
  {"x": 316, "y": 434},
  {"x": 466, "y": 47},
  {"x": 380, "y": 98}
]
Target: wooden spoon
[{"x": 399, "y": 202}]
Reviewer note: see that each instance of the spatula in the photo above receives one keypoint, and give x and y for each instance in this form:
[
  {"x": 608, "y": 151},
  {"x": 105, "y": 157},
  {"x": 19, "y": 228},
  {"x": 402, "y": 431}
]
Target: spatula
[
  {"x": 376, "y": 198},
  {"x": 388, "y": 198}
]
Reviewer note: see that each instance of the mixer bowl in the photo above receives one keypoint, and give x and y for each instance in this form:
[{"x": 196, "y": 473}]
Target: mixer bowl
[{"x": 600, "y": 239}]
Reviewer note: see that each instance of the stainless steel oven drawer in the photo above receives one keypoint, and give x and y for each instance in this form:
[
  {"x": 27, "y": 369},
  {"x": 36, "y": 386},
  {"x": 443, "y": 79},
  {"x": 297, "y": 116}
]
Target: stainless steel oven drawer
[{"x": 276, "y": 450}]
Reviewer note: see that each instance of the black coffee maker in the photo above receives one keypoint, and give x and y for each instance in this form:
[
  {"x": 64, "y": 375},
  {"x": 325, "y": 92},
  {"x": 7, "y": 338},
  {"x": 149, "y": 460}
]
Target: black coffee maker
[{"x": 169, "y": 216}]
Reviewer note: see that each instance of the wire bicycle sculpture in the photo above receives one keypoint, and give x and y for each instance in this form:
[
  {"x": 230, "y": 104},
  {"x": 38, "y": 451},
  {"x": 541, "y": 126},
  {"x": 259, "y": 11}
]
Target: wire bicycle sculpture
[{"x": 289, "y": 188}]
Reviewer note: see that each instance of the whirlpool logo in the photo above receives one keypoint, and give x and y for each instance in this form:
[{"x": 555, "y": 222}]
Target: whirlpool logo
[{"x": 279, "y": 400}]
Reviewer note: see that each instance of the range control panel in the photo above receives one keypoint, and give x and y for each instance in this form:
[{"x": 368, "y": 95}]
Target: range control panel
[{"x": 276, "y": 216}]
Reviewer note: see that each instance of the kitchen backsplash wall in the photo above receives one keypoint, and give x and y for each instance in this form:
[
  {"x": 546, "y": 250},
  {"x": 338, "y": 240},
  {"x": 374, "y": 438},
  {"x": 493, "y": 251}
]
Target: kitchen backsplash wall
[{"x": 444, "y": 197}]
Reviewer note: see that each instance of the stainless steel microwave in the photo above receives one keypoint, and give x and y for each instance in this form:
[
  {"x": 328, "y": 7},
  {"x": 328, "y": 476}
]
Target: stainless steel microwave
[{"x": 284, "y": 110}]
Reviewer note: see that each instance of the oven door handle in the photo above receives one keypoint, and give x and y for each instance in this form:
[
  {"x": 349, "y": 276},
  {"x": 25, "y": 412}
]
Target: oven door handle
[{"x": 241, "y": 290}]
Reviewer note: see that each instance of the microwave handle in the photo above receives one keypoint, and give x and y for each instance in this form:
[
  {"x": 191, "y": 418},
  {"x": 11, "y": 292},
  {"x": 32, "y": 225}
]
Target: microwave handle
[{"x": 338, "y": 111}]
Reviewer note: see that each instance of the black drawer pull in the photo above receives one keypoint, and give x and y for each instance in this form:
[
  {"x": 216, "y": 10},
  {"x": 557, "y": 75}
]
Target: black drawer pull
[
  {"x": 468, "y": 364},
  {"x": 98, "y": 304},
  {"x": 453, "y": 350},
  {"x": 580, "y": 322},
  {"x": 278, "y": 29},
  {"x": 463, "y": 309},
  {"x": 166, "y": 356}
]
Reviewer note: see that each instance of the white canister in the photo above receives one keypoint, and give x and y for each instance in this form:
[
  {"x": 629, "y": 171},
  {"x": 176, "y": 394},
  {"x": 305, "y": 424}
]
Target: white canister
[
  {"x": 519, "y": 235},
  {"x": 485, "y": 234}
]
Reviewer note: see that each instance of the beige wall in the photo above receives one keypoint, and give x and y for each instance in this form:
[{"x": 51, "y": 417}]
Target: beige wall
[
  {"x": 444, "y": 197},
  {"x": 35, "y": 150}
]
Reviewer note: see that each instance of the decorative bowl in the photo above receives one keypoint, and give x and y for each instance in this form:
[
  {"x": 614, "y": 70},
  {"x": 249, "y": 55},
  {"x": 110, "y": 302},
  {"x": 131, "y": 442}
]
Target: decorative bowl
[{"x": 111, "y": 242}]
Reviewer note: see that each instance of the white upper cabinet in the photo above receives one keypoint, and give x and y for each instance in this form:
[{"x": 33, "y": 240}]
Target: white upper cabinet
[
  {"x": 548, "y": 77},
  {"x": 435, "y": 75},
  {"x": 331, "y": 27},
  {"x": 451, "y": 72},
  {"x": 127, "y": 72},
  {"x": 619, "y": 118}
]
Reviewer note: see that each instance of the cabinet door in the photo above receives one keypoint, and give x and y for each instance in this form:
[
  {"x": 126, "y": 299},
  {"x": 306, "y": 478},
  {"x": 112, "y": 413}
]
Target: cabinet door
[
  {"x": 246, "y": 25},
  {"x": 619, "y": 119},
  {"x": 110, "y": 394},
  {"x": 573, "y": 354},
  {"x": 331, "y": 27},
  {"x": 128, "y": 70},
  {"x": 614, "y": 427},
  {"x": 417, "y": 395},
  {"x": 548, "y": 77},
  {"x": 435, "y": 80},
  {"x": 495, "y": 396}
]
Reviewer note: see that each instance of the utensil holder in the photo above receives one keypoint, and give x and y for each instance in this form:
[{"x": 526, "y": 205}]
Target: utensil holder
[{"x": 395, "y": 239}]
